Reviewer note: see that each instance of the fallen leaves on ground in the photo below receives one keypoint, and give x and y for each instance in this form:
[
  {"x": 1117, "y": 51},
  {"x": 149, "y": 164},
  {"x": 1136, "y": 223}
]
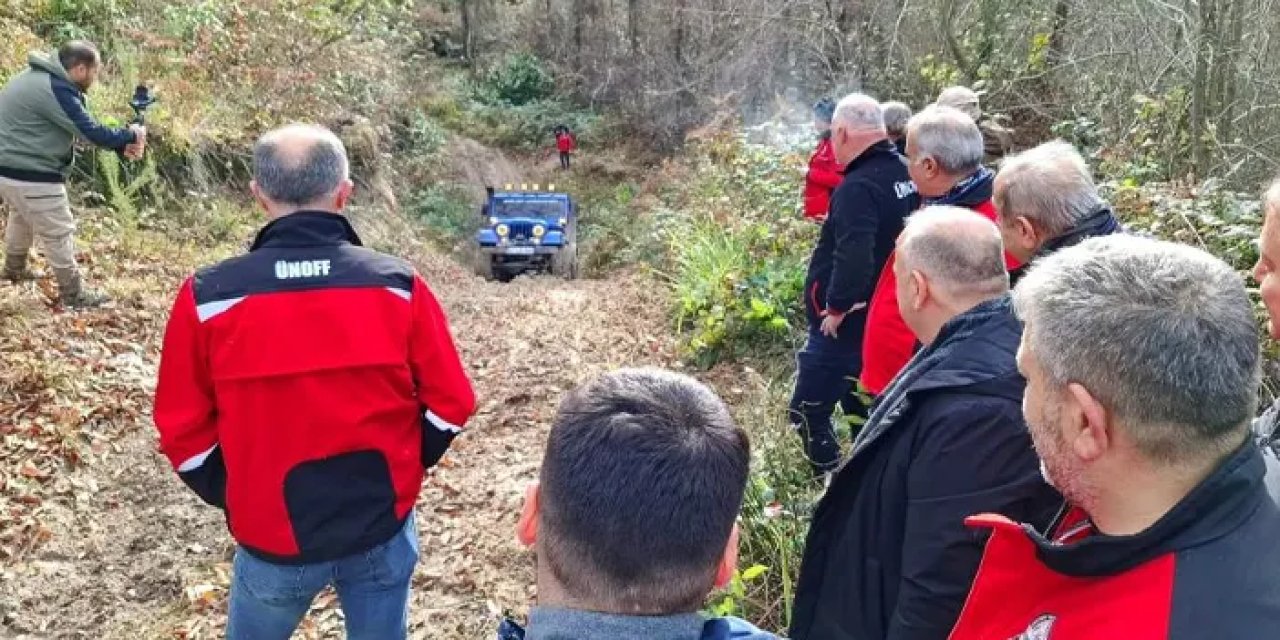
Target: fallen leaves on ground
[{"x": 98, "y": 538}]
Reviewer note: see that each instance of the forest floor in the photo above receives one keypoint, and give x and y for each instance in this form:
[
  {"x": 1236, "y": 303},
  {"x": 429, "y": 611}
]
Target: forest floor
[{"x": 99, "y": 539}]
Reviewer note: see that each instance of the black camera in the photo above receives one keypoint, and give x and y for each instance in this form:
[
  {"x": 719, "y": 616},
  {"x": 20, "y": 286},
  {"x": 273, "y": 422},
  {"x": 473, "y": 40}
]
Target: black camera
[{"x": 142, "y": 100}]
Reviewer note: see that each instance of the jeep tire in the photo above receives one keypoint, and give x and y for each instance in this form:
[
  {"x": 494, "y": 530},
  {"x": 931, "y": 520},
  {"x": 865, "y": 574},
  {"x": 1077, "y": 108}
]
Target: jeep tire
[
  {"x": 564, "y": 263},
  {"x": 483, "y": 264}
]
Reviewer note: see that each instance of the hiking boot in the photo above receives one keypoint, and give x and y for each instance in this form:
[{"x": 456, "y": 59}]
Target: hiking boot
[
  {"x": 16, "y": 269},
  {"x": 73, "y": 294}
]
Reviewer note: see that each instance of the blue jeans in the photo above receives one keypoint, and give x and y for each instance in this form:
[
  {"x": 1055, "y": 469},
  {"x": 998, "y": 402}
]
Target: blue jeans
[
  {"x": 826, "y": 375},
  {"x": 268, "y": 600}
]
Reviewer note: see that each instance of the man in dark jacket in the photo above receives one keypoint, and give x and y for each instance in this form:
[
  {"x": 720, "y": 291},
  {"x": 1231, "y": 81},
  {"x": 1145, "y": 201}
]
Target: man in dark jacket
[
  {"x": 945, "y": 163},
  {"x": 896, "y": 117},
  {"x": 304, "y": 389},
  {"x": 867, "y": 212},
  {"x": 633, "y": 520},
  {"x": 42, "y": 112},
  {"x": 1046, "y": 200},
  {"x": 1142, "y": 368},
  {"x": 888, "y": 556}
]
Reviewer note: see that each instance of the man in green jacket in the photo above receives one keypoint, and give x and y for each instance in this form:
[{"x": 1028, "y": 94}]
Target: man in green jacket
[{"x": 42, "y": 111}]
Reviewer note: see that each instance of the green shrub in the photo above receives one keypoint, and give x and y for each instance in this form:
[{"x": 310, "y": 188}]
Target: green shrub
[
  {"x": 734, "y": 295},
  {"x": 445, "y": 211},
  {"x": 613, "y": 231},
  {"x": 520, "y": 79},
  {"x": 529, "y": 126},
  {"x": 739, "y": 253},
  {"x": 776, "y": 508},
  {"x": 95, "y": 20}
]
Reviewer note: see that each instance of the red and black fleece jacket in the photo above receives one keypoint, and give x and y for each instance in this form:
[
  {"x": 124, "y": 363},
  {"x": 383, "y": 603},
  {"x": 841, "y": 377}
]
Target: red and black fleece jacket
[
  {"x": 304, "y": 388},
  {"x": 1209, "y": 569}
]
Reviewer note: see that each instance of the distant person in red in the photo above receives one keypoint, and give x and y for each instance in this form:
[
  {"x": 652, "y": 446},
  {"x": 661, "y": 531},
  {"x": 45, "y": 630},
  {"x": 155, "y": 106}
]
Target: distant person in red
[
  {"x": 565, "y": 144},
  {"x": 824, "y": 173},
  {"x": 944, "y": 157}
]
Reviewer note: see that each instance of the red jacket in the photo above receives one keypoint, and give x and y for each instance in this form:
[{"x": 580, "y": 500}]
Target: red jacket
[
  {"x": 888, "y": 343},
  {"x": 304, "y": 388},
  {"x": 1210, "y": 568},
  {"x": 825, "y": 174},
  {"x": 565, "y": 142}
]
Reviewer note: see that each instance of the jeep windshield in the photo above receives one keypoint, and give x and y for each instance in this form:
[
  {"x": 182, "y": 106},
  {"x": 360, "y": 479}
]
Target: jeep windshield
[{"x": 528, "y": 208}]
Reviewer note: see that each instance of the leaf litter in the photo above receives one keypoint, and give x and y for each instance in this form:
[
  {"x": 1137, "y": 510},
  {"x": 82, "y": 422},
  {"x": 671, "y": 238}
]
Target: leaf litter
[{"x": 98, "y": 537}]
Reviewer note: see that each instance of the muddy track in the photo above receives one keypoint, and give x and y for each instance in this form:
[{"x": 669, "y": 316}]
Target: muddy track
[{"x": 135, "y": 555}]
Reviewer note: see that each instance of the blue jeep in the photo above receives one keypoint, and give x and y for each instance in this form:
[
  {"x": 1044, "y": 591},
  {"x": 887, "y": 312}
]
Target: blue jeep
[{"x": 527, "y": 231}]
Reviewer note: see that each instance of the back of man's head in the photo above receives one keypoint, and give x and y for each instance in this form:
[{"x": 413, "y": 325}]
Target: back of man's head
[
  {"x": 896, "y": 115},
  {"x": 78, "y": 52},
  {"x": 300, "y": 166},
  {"x": 950, "y": 137},
  {"x": 643, "y": 478},
  {"x": 962, "y": 98},
  {"x": 959, "y": 251},
  {"x": 1049, "y": 185},
  {"x": 1161, "y": 334},
  {"x": 859, "y": 112}
]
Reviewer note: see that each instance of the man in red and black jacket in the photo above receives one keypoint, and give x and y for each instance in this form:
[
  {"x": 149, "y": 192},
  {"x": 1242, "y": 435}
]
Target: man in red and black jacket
[
  {"x": 1142, "y": 367},
  {"x": 945, "y": 162},
  {"x": 867, "y": 213},
  {"x": 304, "y": 388}
]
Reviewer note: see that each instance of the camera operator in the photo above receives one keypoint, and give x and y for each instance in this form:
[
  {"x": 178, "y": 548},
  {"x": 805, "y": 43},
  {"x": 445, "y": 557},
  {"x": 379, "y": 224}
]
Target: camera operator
[{"x": 42, "y": 111}]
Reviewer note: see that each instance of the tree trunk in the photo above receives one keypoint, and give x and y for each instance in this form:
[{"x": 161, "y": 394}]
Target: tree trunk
[
  {"x": 679, "y": 46},
  {"x": 1230, "y": 78},
  {"x": 1200, "y": 82},
  {"x": 949, "y": 13},
  {"x": 1056, "y": 55},
  {"x": 468, "y": 38},
  {"x": 837, "y": 40},
  {"x": 579, "y": 18},
  {"x": 633, "y": 26},
  {"x": 549, "y": 35}
]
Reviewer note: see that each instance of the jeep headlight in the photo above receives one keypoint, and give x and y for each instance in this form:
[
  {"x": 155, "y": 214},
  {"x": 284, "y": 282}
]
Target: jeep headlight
[
  {"x": 502, "y": 230},
  {"x": 539, "y": 231}
]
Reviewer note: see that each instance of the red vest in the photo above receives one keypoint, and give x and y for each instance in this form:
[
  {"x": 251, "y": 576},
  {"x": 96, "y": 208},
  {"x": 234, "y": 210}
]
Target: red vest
[
  {"x": 888, "y": 343},
  {"x": 825, "y": 174}
]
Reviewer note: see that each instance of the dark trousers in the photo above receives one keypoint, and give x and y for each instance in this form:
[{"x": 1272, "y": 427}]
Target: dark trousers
[
  {"x": 827, "y": 371},
  {"x": 564, "y": 160}
]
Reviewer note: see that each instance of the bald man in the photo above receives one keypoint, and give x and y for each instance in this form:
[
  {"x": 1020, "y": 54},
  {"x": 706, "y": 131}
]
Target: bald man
[
  {"x": 304, "y": 389},
  {"x": 888, "y": 555}
]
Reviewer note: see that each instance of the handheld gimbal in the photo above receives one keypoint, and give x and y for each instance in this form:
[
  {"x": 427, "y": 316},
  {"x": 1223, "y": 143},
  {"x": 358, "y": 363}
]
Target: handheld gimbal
[{"x": 142, "y": 100}]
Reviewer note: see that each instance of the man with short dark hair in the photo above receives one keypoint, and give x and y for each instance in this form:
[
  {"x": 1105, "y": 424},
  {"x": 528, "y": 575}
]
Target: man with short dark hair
[
  {"x": 42, "y": 111},
  {"x": 1142, "y": 367},
  {"x": 633, "y": 519},
  {"x": 887, "y": 554},
  {"x": 304, "y": 389}
]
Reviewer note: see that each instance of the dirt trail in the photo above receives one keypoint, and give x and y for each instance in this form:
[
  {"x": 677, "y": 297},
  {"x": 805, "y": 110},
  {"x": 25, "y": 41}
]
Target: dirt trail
[{"x": 132, "y": 554}]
